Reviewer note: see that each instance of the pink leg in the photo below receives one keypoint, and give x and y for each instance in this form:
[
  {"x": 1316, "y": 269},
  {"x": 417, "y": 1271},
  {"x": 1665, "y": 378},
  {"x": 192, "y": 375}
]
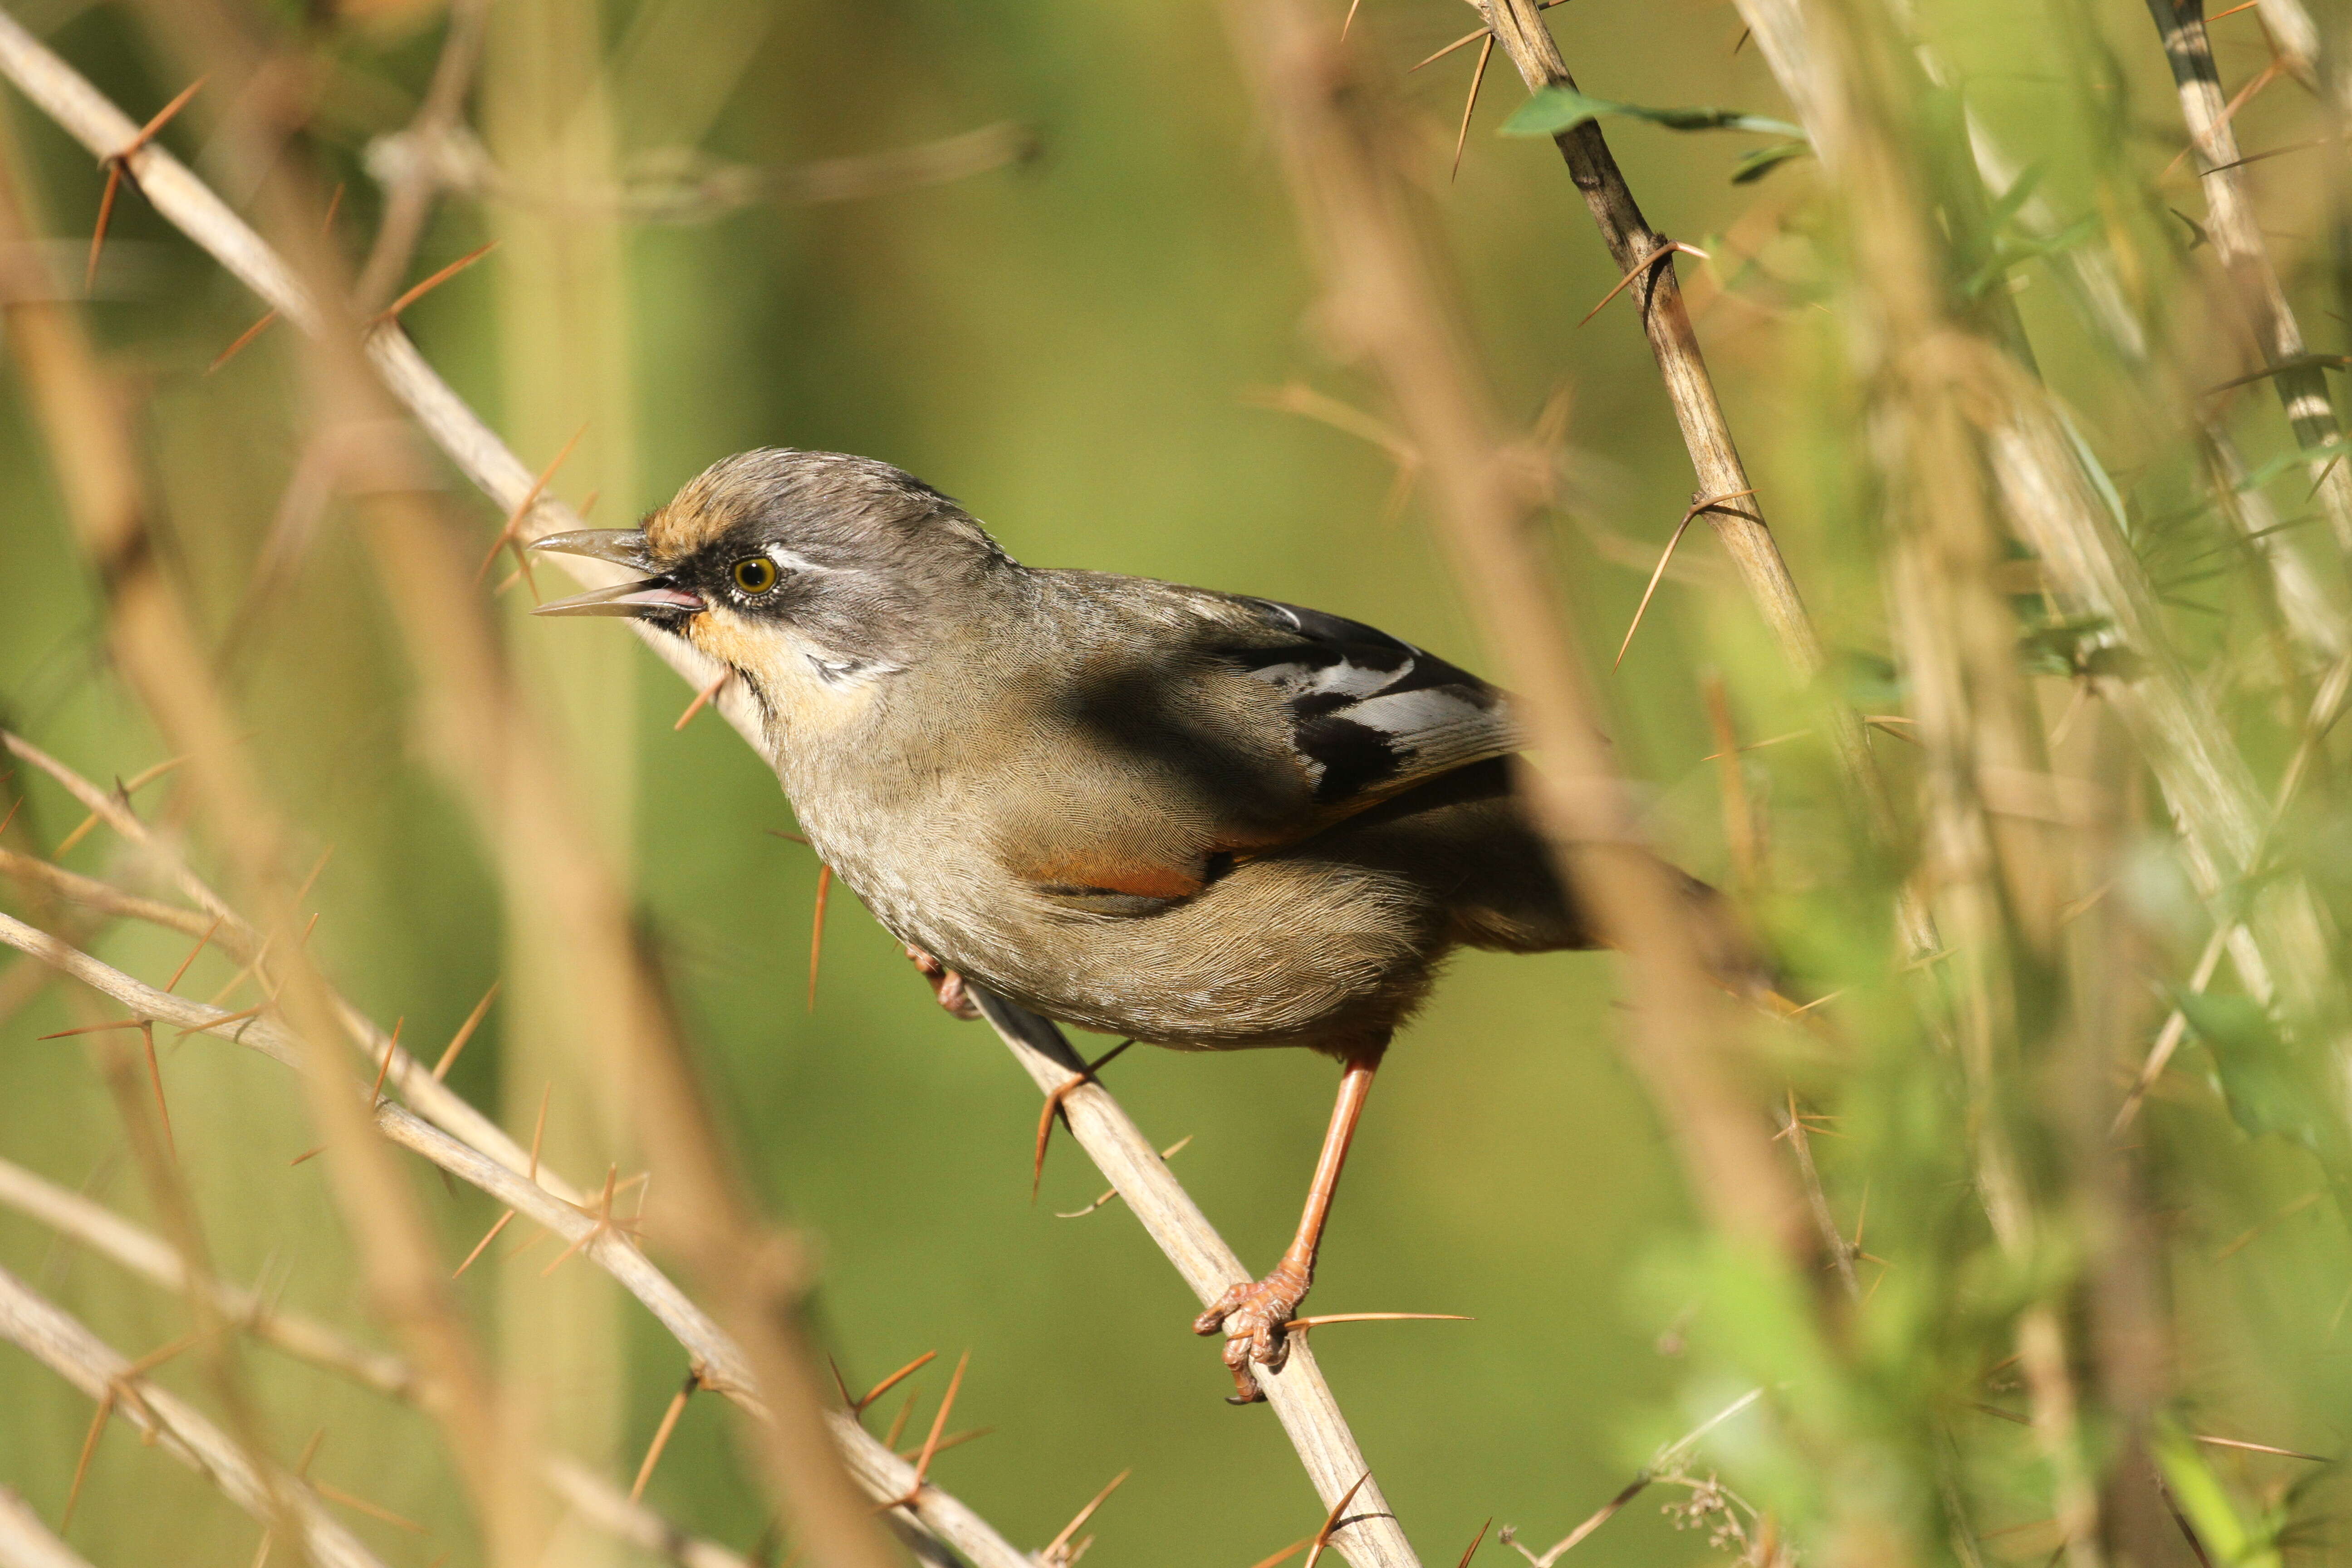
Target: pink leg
[{"x": 1252, "y": 1316}]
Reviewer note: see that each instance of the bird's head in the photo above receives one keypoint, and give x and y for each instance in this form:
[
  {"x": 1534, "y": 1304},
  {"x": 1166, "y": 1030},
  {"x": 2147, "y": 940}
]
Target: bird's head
[{"x": 788, "y": 565}]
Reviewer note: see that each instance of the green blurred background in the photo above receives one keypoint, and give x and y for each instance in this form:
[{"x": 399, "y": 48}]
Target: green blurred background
[{"x": 1078, "y": 347}]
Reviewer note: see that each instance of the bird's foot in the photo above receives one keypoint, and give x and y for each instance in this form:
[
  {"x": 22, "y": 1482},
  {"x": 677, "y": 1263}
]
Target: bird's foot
[
  {"x": 1254, "y": 1318},
  {"x": 946, "y": 984}
]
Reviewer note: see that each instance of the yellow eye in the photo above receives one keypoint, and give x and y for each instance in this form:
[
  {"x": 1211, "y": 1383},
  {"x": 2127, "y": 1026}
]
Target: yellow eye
[{"x": 755, "y": 573}]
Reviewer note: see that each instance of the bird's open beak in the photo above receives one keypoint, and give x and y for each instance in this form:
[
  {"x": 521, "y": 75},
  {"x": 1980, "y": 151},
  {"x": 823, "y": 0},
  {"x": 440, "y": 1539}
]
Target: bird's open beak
[{"x": 623, "y": 547}]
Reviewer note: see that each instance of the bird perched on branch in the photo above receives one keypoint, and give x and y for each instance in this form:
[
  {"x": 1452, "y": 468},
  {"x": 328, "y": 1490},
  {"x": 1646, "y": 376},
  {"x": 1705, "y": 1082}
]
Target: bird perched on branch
[{"x": 1202, "y": 820}]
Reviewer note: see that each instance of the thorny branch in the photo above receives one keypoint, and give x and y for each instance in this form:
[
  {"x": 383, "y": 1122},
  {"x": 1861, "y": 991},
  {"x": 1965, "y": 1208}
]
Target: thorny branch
[
  {"x": 94, "y": 1226},
  {"x": 1300, "y": 1398},
  {"x": 1647, "y": 256},
  {"x": 722, "y": 1366}
]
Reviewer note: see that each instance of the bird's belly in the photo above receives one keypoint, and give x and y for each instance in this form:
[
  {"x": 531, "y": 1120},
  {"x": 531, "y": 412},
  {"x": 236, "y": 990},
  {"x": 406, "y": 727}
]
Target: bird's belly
[{"x": 1275, "y": 953}]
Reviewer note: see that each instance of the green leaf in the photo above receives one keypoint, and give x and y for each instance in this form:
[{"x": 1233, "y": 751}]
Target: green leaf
[
  {"x": 2255, "y": 1065},
  {"x": 1754, "y": 166},
  {"x": 2008, "y": 253},
  {"x": 1554, "y": 109},
  {"x": 2013, "y": 200},
  {"x": 2204, "y": 1502},
  {"x": 2281, "y": 464}
]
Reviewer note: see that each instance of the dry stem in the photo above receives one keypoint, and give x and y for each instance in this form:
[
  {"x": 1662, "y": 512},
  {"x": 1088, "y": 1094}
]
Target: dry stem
[
  {"x": 722, "y": 1364},
  {"x": 60, "y": 1342},
  {"x": 25, "y": 1542}
]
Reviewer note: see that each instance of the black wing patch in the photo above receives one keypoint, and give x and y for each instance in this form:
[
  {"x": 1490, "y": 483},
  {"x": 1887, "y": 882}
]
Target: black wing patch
[{"x": 1370, "y": 714}]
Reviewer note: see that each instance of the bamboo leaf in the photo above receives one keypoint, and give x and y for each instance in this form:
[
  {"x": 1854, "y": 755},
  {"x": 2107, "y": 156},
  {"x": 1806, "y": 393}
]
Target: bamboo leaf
[
  {"x": 1557, "y": 109},
  {"x": 1754, "y": 166}
]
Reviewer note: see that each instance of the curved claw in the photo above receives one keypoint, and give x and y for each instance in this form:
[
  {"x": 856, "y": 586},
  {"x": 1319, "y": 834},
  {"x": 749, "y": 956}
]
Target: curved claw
[
  {"x": 945, "y": 984},
  {"x": 1253, "y": 1317}
]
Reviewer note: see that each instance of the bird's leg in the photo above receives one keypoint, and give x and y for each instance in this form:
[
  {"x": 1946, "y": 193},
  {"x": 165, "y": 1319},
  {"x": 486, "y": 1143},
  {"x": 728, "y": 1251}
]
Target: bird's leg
[
  {"x": 946, "y": 984},
  {"x": 1252, "y": 1316}
]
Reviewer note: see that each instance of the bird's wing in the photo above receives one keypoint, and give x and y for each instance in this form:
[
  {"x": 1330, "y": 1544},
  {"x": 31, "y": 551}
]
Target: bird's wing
[
  {"x": 1251, "y": 725},
  {"x": 1368, "y": 715}
]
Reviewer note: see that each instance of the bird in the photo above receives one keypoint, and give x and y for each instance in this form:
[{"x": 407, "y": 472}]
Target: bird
[{"x": 1196, "y": 819}]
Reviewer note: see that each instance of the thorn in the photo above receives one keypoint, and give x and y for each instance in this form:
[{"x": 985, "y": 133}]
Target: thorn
[
  {"x": 118, "y": 169},
  {"x": 1053, "y": 1547},
  {"x": 511, "y": 532},
  {"x": 1350, "y": 19},
  {"x": 2260, "y": 1448},
  {"x": 1477, "y": 1542},
  {"x": 155, "y": 1077},
  {"x": 1285, "y": 1554},
  {"x": 2240, "y": 1245},
  {"x": 97, "y": 234},
  {"x": 857, "y": 1406},
  {"x": 1167, "y": 1154},
  {"x": 1893, "y": 724},
  {"x": 1053, "y": 1109},
  {"x": 533, "y": 1240},
  {"x": 1297, "y": 1325},
  {"x": 1331, "y": 1519},
  {"x": 391, "y": 1049},
  {"x": 779, "y": 833},
  {"x": 2273, "y": 152},
  {"x": 604, "y": 1217},
  {"x": 539, "y": 1129},
  {"x": 482, "y": 1245},
  {"x": 253, "y": 965},
  {"x": 244, "y": 339},
  {"x": 2263, "y": 79},
  {"x": 1657, "y": 576},
  {"x": 64, "y": 845},
  {"x": 174, "y": 984},
  {"x": 12, "y": 810},
  {"x": 391, "y": 312},
  {"x": 89, "y": 1449},
  {"x": 848, "y": 1400},
  {"x": 816, "y": 926},
  {"x": 97, "y": 1028},
  {"x": 1477, "y": 79},
  {"x": 373, "y": 1511},
  {"x": 1469, "y": 38},
  {"x": 253, "y": 1011},
  {"x": 661, "y": 1434},
  {"x": 307, "y": 1154},
  {"x": 1666, "y": 248},
  {"x": 465, "y": 1032},
  {"x": 957, "y": 1440},
  {"x": 316, "y": 869},
  {"x": 701, "y": 701},
  {"x": 899, "y": 1422},
  {"x": 931, "y": 1443}
]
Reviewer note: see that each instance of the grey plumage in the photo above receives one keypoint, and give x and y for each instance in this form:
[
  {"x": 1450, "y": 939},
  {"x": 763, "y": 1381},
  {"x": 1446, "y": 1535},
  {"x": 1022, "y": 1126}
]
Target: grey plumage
[{"x": 1201, "y": 819}]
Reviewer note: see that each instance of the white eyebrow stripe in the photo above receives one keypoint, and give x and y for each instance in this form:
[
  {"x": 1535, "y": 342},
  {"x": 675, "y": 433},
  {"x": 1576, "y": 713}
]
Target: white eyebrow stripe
[{"x": 791, "y": 561}]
